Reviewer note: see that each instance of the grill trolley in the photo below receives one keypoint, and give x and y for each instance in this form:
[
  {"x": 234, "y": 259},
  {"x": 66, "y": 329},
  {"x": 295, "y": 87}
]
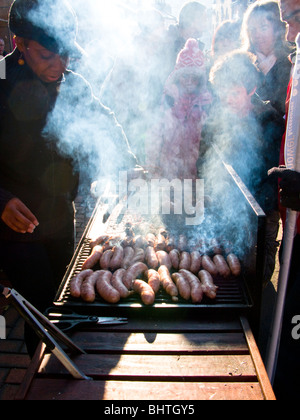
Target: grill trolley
[
  {"x": 169, "y": 351},
  {"x": 156, "y": 360}
]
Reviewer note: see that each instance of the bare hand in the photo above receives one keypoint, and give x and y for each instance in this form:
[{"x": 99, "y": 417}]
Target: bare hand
[{"x": 18, "y": 217}]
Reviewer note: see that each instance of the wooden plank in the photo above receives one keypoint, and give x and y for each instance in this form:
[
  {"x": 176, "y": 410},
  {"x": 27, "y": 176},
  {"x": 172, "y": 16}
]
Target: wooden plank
[
  {"x": 258, "y": 363},
  {"x": 31, "y": 371},
  {"x": 62, "y": 389},
  {"x": 162, "y": 368},
  {"x": 225, "y": 343}
]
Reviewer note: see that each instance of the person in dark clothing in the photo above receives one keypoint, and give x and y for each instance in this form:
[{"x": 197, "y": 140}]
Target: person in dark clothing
[
  {"x": 265, "y": 36},
  {"x": 247, "y": 133},
  {"x": 44, "y": 115}
]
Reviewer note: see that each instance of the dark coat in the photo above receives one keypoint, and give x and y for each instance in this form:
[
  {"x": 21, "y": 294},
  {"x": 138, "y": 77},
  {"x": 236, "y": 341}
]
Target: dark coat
[{"x": 43, "y": 129}]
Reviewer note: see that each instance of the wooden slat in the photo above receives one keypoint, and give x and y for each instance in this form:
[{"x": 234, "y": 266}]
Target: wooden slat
[
  {"x": 175, "y": 325},
  {"x": 218, "y": 343},
  {"x": 60, "y": 389},
  {"x": 257, "y": 360},
  {"x": 162, "y": 368}
]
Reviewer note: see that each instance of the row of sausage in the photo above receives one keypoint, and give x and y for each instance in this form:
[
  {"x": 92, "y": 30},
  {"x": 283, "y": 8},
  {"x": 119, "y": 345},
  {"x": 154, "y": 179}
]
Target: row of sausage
[{"x": 112, "y": 287}]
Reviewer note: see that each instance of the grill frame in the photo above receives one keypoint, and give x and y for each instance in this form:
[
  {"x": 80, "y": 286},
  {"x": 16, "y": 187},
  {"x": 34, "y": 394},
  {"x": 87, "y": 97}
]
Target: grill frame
[{"x": 247, "y": 289}]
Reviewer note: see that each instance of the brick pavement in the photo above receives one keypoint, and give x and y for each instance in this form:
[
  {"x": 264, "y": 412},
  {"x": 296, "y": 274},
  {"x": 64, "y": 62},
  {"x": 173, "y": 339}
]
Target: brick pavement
[{"x": 14, "y": 359}]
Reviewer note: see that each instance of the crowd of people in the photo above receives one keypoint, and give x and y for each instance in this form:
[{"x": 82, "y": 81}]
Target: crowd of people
[{"x": 173, "y": 100}]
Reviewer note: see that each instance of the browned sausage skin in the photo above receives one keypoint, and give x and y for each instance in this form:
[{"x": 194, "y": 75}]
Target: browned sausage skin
[
  {"x": 105, "y": 289},
  {"x": 106, "y": 259},
  {"x": 164, "y": 259},
  {"x": 151, "y": 258},
  {"x": 209, "y": 265},
  {"x": 196, "y": 260},
  {"x": 209, "y": 288},
  {"x": 182, "y": 285},
  {"x": 153, "y": 280},
  {"x": 234, "y": 264},
  {"x": 195, "y": 284},
  {"x": 76, "y": 282},
  {"x": 117, "y": 258},
  {"x": 128, "y": 256},
  {"x": 185, "y": 261},
  {"x": 88, "y": 288},
  {"x": 221, "y": 265},
  {"x": 145, "y": 291},
  {"x": 167, "y": 282},
  {"x": 174, "y": 255},
  {"x": 94, "y": 257},
  {"x": 117, "y": 283},
  {"x": 133, "y": 272}
]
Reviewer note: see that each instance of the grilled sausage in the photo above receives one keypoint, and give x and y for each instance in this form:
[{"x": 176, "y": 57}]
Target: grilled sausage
[
  {"x": 174, "y": 255},
  {"x": 76, "y": 282},
  {"x": 164, "y": 259},
  {"x": 170, "y": 243},
  {"x": 195, "y": 284},
  {"x": 105, "y": 289},
  {"x": 117, "y": 258},
  {"x": 234, "y": 264},
  {"x": 182, "y": 285},
  {"x": 151, "y": 258},
  {"x": 133, "y": 272},
  {"x": 88, "y": 288},
  {"x": 94, "y": 257},
  {"x": 140, "y": 242},
  {"x": 127, "y": 257},
  {"x": 221, "y": 265},
  {"x": 209, "y": 288},
  {"x": 185, "y": 261},
  {"x": 106, "y": 259},
  {"x": 209, "y": 265},
  {"x": 100, "y": 240},
  {"x": 160, "y": 243},
  {"x": 117, "y": 283},
  {"x": 167, "y": 282},
  {"x": 153, "y": 280},
  {"x": 195, "y": 262},
  {"x": 145, "y": 291},
  {"x": 139, "y": 256},
  {"x": 150, "y": 238}
]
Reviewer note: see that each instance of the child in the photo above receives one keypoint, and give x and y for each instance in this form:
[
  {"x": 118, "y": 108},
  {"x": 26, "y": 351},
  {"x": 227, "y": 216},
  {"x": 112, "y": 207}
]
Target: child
[
  {"x": 248, "y": 133},
  {"x": 173, "y": 145}
]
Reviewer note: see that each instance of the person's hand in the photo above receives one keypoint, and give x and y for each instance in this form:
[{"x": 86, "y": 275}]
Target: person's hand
[
  {"x": 289, "y": 187},
  {"x": 18, "y": 217}
]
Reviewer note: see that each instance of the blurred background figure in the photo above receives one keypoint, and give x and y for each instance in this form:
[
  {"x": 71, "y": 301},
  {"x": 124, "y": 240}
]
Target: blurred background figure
[
  {"x": 265, "y": 36},
  {"x": 226, "y": 38},
  {"x": 173, "y": 143},
  {"x": 2, "y": 48},
  {"x": 192, "y": 23}
]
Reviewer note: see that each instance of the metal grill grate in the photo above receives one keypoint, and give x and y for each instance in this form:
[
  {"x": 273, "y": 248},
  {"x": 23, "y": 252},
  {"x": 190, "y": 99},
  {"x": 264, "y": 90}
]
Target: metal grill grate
[{"x": 232, "y": 292}]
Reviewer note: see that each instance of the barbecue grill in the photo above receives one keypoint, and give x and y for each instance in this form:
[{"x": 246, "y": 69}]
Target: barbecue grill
[{"x": 241, "y": 294}]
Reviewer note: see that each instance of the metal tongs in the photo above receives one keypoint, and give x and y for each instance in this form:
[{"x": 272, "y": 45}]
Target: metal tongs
[
  {"x": 47, "y": 331},
  {"x": 66, "y": 320}
]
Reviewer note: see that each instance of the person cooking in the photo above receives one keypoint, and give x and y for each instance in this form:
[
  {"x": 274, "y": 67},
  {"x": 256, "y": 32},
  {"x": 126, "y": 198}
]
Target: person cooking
[{"x": 44, "y": 109}]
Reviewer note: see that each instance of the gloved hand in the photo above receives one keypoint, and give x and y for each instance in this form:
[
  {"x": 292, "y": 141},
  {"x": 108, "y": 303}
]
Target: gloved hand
[{"x": 289, "y": 186}]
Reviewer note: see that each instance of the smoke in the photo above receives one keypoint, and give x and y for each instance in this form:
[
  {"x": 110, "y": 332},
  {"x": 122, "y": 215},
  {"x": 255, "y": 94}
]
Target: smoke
[{"x": 122, "y": 68}]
